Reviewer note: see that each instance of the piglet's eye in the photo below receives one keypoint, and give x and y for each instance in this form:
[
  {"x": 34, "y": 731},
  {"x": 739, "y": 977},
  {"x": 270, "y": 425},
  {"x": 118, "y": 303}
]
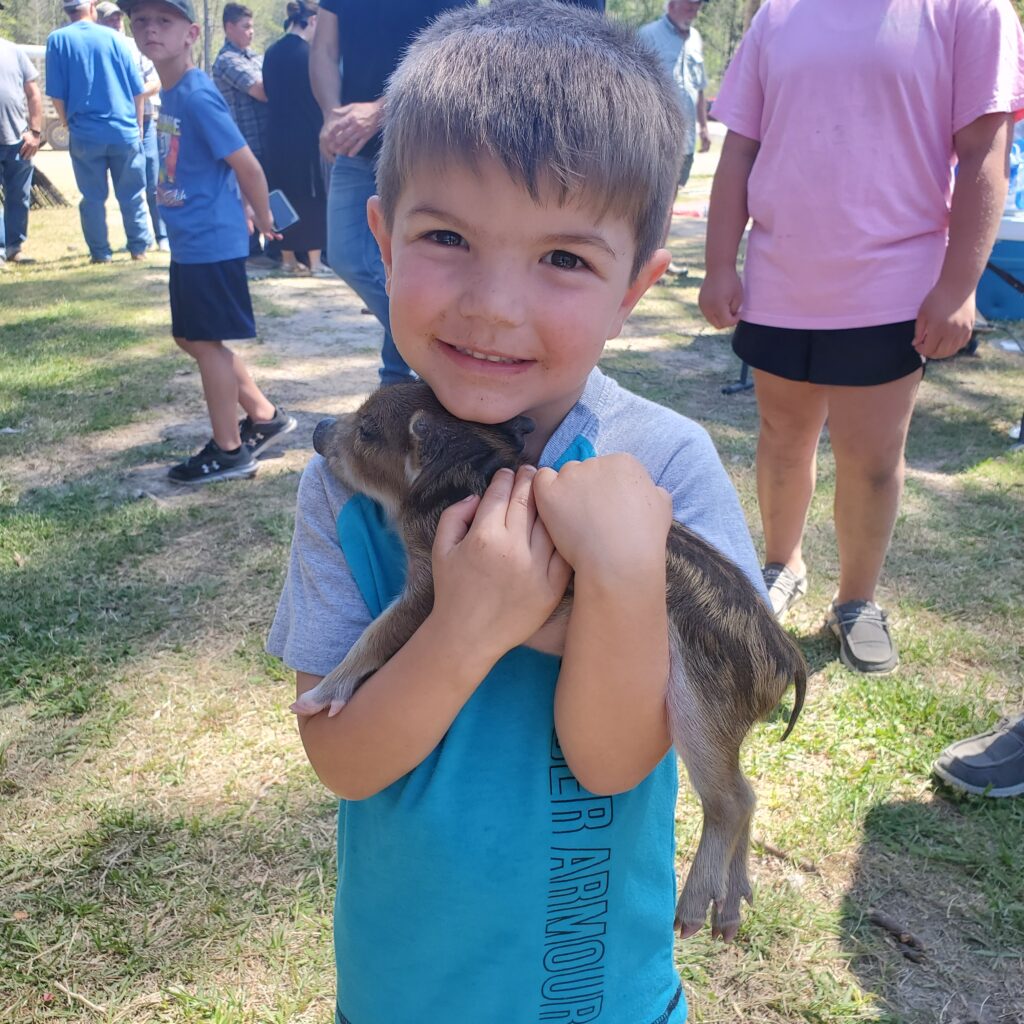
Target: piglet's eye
[{"x": 366, "y": 433}]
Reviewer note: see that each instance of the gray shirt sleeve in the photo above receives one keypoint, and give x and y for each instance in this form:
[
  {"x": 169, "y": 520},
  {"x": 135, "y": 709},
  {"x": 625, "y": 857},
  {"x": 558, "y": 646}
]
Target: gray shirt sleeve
[{"x": 321, "y": 613}]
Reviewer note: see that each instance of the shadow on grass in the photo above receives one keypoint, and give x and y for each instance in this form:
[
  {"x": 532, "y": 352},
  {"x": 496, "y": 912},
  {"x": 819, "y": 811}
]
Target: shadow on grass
[{"x": 951, "y": 873}]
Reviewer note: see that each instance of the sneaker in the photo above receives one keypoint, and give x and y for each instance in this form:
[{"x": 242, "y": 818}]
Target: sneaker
[
  {"x": 163, "y": 245},
  {"x": 100, "y": 259},
  {"x": 785, "y": 588},
  {"x": 257, "y": 437},
  {"x": 989, "y": 764},
  {"x": 864, "y": 641},
  {"x": 138, "y": 257},
  {"x": 213, "y": 463}
]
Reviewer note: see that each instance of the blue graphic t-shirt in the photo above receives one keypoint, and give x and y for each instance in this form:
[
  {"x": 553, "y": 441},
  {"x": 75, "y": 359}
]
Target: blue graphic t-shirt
[
  {"x": 197, "y": 191},
  {"x": 487, "y": 884}
]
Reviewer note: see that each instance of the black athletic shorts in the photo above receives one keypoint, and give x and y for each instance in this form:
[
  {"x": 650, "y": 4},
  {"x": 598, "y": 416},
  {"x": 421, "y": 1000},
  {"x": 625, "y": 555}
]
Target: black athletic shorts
[
  {"x": 210, "y": 301},
  {"x": 854, "y": 356}
]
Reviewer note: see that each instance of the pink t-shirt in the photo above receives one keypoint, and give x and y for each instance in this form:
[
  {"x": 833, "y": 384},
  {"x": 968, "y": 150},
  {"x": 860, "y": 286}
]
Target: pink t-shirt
[{"x": 855, "y": 103}]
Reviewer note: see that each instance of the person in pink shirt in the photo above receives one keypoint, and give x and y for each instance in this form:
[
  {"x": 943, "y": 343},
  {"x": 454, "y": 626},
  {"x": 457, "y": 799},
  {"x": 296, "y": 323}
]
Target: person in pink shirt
[{"x": 845, "y": 122}]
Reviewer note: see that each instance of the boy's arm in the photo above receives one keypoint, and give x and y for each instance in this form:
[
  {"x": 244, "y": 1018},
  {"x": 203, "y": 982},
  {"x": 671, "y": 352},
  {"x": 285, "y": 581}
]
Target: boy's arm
[
  {"x": 610, "y": 522},
  {"x": 253, "y": 183},
  {"x": 722, "y": 291},
  {"x": 946, "y": 317},
  {"x": 497, "y": 578}
]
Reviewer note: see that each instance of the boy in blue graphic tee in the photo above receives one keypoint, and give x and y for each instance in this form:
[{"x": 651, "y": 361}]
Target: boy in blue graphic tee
[
  {"x": 506, "y": 827},
  {"x": 205, "y": 169}
]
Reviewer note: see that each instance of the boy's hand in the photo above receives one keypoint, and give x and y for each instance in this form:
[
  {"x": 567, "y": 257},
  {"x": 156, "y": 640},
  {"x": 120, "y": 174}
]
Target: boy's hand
[
  {"x": 497, "y": 575},
  {"x": 944, "y": 323},
  {"x": 606, "y": 516},
  {"x": 263, "y": 221},
  {"x": 721, "y": 296}
]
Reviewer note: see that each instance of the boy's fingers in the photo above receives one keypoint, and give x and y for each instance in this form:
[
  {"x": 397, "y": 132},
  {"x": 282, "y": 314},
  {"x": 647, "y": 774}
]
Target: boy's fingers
[
  {"x": 455, "y": 522},
  {"x": 495, "y": 499},
  {"x": 522, "y": 511}
]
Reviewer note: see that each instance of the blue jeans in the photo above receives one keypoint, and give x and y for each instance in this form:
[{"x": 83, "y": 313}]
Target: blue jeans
[
  {"x": 16, "y": 178},
  {"x": 151, "y": 152},
  {"x": 127, "y": 166},
  {"x": 353, "y": 254}
]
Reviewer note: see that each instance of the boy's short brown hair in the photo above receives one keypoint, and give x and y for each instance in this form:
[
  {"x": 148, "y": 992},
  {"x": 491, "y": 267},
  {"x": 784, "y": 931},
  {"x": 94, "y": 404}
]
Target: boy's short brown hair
[
  {"x": 233, "y": 13},
  {"x": 557, "y": 94}
]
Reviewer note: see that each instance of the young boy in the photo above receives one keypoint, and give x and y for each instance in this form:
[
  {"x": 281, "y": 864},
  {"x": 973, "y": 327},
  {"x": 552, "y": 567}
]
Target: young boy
[
  {"x": 204, "y": 161},
  {"x": 506, "y": 830}
]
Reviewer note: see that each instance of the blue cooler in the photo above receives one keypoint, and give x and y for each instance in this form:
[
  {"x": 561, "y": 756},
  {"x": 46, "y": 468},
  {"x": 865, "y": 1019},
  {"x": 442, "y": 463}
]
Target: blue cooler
[{"x": 998, "y": 300}]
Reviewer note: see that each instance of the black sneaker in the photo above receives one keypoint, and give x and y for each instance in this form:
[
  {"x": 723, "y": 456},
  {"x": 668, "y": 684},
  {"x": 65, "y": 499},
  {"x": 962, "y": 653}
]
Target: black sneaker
[
  {"x": 213, "y": 463},
  {"x": 989, "y": 764},
  {"x": 257, "y": 436},
  {"x": 865, "y": 644}
]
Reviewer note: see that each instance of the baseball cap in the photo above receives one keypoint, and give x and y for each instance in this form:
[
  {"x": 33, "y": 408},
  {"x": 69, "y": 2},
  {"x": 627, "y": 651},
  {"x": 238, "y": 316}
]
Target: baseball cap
[
  {"x": 106, "y": 9},
  {"x": 183, "y": 7},
  {"x": 70, "y": 5}
]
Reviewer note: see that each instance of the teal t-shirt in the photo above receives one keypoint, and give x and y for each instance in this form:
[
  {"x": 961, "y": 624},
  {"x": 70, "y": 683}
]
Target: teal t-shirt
[{"x": 487, "y": 885}]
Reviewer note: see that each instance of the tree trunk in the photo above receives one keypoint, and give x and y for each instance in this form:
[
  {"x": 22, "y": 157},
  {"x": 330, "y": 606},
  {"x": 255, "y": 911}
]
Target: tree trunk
[{"x": 750, "y": 8}]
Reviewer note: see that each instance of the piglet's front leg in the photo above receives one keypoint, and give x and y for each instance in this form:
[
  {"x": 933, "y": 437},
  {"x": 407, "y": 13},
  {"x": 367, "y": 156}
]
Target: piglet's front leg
[{"x": 380, "y": 642}]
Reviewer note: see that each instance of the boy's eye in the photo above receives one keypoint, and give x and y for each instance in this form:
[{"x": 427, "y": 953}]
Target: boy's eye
[
  {"x": 565, "y": 260},
  {"x": 444, "y": 237}
]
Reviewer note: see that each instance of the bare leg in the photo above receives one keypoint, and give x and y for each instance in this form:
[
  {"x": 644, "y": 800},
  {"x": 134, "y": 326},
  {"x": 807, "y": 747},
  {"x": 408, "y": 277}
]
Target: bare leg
[
  {"x": 288, "y": 259},
  {"x": 226, "y": 385},
  {"x": 314, "y": 260},
  {"x": 868, "y": 430},
  {"x": 792, "y": 414}
]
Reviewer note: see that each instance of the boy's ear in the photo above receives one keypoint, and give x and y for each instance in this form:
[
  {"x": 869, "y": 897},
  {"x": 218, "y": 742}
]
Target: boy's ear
[
  {"x": 375, "y": 217},
  {"x": 655, "y": 266}
]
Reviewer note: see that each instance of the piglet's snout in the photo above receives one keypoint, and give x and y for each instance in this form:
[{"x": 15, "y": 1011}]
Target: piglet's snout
[{"x": 320, "y": 434}]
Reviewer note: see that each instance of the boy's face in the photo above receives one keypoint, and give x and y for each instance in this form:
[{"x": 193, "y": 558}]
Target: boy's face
[
  {"x": 240, "y": 32},
  {"x": 501, "y": 303},
  {"x": 161, "y": 32}
]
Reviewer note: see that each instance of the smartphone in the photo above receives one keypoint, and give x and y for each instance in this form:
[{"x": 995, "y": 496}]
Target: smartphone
[{"x": 282, "y": 211}]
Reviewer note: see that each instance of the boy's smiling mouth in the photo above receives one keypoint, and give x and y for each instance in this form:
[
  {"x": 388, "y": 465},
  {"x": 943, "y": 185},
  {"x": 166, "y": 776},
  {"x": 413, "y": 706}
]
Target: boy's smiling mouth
[{"x": 485, "y": 356}]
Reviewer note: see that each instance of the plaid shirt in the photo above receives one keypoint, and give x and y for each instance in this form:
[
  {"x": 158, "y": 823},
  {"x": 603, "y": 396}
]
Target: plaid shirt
[{"x": 235, "y": 72}]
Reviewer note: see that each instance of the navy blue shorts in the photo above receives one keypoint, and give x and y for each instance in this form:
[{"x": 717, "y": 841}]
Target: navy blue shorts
[
  {"x": 854, "y": 356},
  {"x": 210, "y": 301}
]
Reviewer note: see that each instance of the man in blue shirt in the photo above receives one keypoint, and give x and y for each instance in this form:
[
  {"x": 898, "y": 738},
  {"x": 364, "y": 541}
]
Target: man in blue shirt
[{"x": 98, "y": 93}]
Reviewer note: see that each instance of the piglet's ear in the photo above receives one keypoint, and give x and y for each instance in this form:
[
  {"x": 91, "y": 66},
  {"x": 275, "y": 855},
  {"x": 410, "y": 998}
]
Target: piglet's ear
[{"x": 426, "y": 436}]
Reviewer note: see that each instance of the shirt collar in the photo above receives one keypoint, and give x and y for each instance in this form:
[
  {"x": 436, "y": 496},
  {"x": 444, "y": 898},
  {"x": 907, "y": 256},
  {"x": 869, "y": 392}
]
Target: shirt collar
[
  {"x": 674, "y": 28},
  {"x": 228, "y": 45}
]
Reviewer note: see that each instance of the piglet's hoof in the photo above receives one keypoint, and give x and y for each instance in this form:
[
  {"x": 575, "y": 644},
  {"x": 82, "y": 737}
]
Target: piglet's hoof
[{"x": 309, "y": 704}]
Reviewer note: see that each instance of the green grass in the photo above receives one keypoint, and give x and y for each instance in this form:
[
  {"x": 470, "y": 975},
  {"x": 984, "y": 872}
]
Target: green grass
[{"x": 167, "y": 854}]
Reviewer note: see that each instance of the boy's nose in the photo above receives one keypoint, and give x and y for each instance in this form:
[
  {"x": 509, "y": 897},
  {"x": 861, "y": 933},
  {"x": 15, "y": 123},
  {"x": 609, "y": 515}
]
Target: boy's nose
[{"x": 495, "y": 297}]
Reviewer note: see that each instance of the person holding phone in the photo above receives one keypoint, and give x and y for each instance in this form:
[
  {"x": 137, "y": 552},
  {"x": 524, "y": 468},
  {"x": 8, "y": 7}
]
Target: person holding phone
[{"x": 206, "y": 169}]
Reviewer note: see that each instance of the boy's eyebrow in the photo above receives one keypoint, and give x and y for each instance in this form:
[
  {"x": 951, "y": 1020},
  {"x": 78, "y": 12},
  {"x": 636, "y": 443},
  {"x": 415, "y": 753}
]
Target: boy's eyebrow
[{"x": 572, "y": 239}]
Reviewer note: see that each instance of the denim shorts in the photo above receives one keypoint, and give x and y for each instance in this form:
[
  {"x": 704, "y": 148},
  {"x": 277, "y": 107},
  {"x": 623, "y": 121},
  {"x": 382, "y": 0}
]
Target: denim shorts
[
  {"x": 210, "y": 301},
  {"x": 855, "y": 356}
]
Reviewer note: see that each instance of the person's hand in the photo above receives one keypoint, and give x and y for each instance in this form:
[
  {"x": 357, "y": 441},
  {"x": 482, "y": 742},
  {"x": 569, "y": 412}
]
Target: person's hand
[
  {"x": 347, "y": 129},
  {"x": 721, "y": 296},
  {"x": 606, "y": 516},
  {"x": 705, "y": 138},
  {"x": 497, "y": 575},
  {"x": 29, "y": 145},
  {"x": 262, "y": 221},
  {"x": 944, "y": 323}
]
